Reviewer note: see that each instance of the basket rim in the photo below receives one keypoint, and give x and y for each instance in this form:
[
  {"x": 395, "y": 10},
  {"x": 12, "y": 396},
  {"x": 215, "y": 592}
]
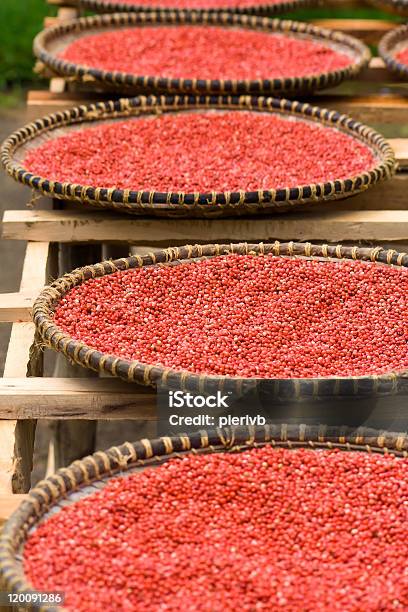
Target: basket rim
[
  {"x": 144, "y": 202},
  {"x": 122, "y": 80},
  {"x": 153, "y": 374},
  {"x": 263, "y": 8},
  {"x": 120, "y": 459},
  {"x": 387, "y": 46}
]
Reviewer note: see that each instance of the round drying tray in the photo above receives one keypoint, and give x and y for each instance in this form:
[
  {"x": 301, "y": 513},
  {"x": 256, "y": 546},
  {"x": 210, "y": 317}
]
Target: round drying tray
[
  {"x": 174, "y": 204},
  {"x": 391, "y": 44},
  {"x": 261, "y": 7},
  {"x": 53, "y": 41},
  {"x": 85, "y": 477},
  {"x": 153, "y": 374}
]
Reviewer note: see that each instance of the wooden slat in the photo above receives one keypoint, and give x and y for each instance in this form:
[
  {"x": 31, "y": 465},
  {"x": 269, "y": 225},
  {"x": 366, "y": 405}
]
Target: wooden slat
[
  {"x": 331, "y": 226},
  {"x": 371, "y": 109},
  {"x": 75, "y": 398},
  {"x": 18, "y": 354},
  {"x": 65, "y": 13},
  {"x": 16, "y": 307},
  {"x": 35, "y": 264},
  {"x": 49, "y": 22},
  {"x": 63, "y": 2},
  {"x": 24, "y": 358},
  {"x": 57, "y": 85},
  {"x": 368, "y": 30}
]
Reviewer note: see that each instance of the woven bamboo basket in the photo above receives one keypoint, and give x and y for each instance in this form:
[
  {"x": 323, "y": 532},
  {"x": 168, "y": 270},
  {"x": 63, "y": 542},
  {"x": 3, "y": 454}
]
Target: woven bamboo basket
[
  {"x": 391, "y": 44},
  {"x": 52, "y": 41},
  {"x": 179, "y": 204},
  {"x": 261, "y": 8},
  {"x": 153, "y": 374},
  {"x": 83, "y": 478}
]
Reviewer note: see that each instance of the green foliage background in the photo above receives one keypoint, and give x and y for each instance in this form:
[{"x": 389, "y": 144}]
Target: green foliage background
[{"x": 20, "y": 21}]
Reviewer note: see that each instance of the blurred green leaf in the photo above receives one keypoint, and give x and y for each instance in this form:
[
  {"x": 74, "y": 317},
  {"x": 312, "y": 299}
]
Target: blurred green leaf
[{"x": 20, "y": 21}]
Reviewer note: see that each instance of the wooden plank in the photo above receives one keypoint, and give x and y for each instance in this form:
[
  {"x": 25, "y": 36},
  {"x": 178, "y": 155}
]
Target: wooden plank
[
  {"x": 331, "y": 226},
  {"x": 371, "y": 109},
  {"x": 18, "y": 354},
  {"x": 400, "y": 146},
  {"x": 57, "y": 85},
  {"x": 35, "y": 266},
  {"x": 16, "y": 307},
  {"x": 8, "y": 504},
  {"x": 24, "y": 358},
  {"x": 75, "y": 398},
  {"x": 65, "y": 13},
  {"x": 368, "y": 30},
  {"x": 62, "y": 2}
]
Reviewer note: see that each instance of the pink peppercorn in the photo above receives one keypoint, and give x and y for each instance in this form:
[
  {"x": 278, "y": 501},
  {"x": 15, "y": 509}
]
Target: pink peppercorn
[
  {"x": 204, "y": 52},
  {"x": 204, "y": 151},
  {"x": 249, "y": 316},
  {"x": 402, "y": 56},
  {"x": 266, "y": 529}
]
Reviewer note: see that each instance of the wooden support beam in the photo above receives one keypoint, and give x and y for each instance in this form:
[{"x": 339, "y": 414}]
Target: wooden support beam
[
  {"x": 368, "y": 30},
  {"x": 331, "y": 226},
  {"x": 372, "y": 109},
  {"x": 63, "y": 3},
  {"x": 24, "y": 358},
  {"x": 75, "y": 398},
  {"x": 16, "y": 307}
]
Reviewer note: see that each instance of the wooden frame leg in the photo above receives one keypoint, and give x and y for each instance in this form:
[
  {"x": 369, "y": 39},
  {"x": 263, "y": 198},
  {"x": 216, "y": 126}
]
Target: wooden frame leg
[{"x": 24, "y": 358}]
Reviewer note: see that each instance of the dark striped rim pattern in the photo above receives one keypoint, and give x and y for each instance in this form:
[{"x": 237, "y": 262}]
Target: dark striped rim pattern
[
  {"x": 210, "y": 204},
  {"x": 79, "y": 479},
  {"x": 390, "y": 45},
  {"x": 153, "y": 375},
  {"x": 45, "y": 42}
]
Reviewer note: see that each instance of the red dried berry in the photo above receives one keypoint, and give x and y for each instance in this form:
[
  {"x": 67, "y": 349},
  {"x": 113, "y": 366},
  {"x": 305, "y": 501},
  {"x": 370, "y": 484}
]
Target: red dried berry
[
  {"x": 204, "y": 52},
  {"x": 248, "y": 316},
  {"x": 202, "y": 152},
  {"x": 402, "y": 56},
  {"x": 266, "y": 529}
]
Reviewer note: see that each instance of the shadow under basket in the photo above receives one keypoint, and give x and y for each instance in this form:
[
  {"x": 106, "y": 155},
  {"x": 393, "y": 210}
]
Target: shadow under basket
[
  {"x": 391, "y": 44},
  {"x": 198, "y": 204},
  {"x": 263, "y": 7},
  {"x": 90, "y": 475},
  {"x": 50, "y": 43},
  {"x": 155, "y": 375}
]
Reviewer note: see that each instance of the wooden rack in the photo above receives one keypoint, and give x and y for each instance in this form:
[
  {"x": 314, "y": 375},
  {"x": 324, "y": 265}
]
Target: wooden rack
[{"x": 377, "y": 216}]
